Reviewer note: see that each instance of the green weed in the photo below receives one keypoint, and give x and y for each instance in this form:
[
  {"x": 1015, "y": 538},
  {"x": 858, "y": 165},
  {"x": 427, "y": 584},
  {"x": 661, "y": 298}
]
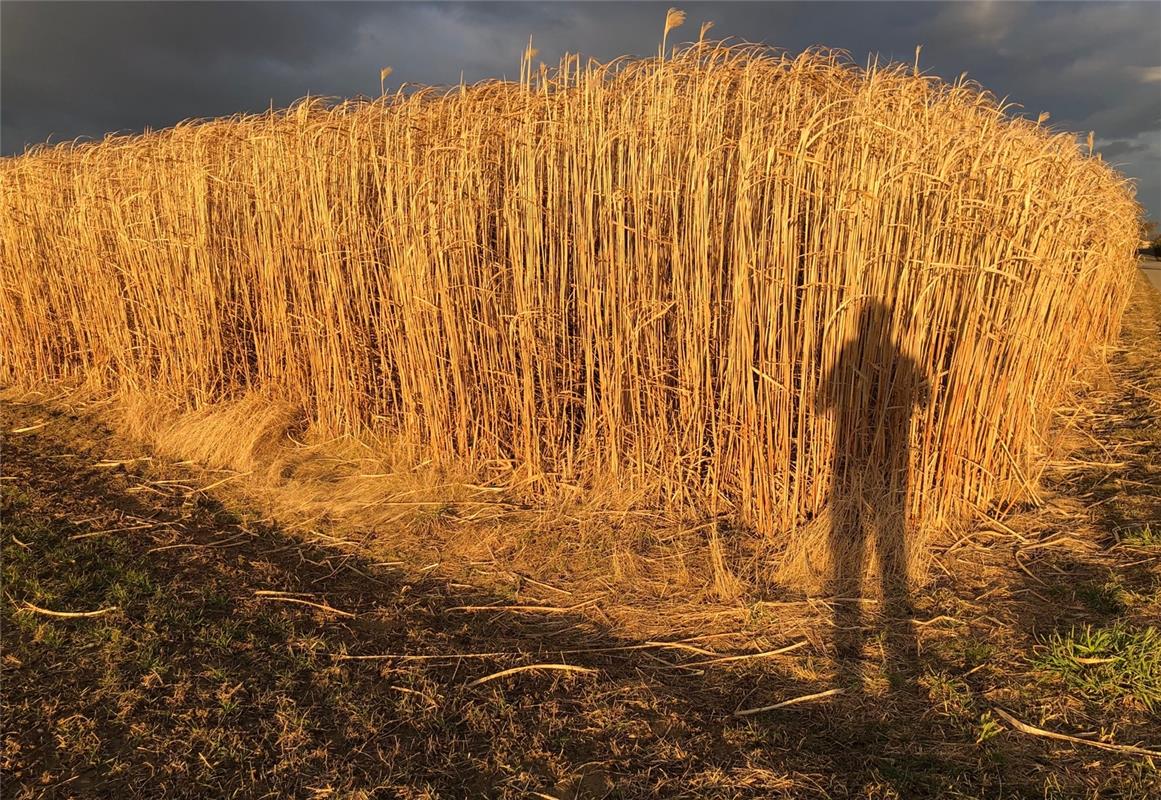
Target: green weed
[
  {"x": 1147, "y": 535},
  {"x": 1106, "y": 663}
]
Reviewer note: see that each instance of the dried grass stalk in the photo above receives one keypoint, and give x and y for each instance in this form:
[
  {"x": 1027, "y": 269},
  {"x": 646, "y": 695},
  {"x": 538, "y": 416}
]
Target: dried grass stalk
[{"x": 636, "y": 275}]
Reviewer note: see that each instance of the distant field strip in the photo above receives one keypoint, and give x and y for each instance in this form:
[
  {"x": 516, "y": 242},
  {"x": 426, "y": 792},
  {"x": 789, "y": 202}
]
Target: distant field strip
[
  {"x": 626, "y": 277},
  {"x": 1153, "y": 273}
]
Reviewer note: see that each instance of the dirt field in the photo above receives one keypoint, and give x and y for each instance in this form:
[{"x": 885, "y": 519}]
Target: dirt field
[{"x": 223, "y": 657}]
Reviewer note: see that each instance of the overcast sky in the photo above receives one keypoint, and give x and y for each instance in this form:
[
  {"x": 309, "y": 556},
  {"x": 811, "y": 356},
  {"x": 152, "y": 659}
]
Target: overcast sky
[{"x": 82, "y": 69}]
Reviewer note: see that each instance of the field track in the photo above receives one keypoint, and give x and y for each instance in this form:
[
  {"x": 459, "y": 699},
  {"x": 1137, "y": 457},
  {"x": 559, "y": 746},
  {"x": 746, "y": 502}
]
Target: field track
[{"x": 1152, "y": 270}]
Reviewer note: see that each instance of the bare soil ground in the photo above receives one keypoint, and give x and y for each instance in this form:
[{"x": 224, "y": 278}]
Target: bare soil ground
[{"x": 228, "y": 658}]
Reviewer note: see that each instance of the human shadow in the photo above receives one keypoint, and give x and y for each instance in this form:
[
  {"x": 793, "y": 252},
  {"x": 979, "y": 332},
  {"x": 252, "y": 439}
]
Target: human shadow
[{"x": 871, "y": 391}]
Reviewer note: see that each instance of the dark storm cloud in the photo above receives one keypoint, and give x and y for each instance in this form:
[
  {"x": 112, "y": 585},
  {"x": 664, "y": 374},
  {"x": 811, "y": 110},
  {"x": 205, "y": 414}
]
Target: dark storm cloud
[
  {"x": 83, "y": 69},
  {"x": 1122, "y": 147}
]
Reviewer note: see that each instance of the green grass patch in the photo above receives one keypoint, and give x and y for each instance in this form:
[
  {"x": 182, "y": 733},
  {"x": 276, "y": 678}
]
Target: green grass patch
[
  {"x": 1147, "y": 535},
  {"x": 949, "y": 695},
  {"x": 1106, "y": 664}
]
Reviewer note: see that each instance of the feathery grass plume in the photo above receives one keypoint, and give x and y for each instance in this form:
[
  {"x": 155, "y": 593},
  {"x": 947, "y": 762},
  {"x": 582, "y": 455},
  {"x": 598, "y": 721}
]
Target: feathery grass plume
[
  {"x": 632, "y": 278},
  {"x": 526, "y": 57},
  {"x": 383, "y": 75},
  {"x": 674, "y": 18}
]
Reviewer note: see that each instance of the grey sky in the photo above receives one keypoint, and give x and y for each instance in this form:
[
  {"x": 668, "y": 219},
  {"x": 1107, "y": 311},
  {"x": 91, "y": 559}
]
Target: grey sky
[{"x": 73, "y": 69}]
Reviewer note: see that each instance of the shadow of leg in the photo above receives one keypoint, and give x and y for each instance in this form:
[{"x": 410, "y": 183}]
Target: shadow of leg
[
  {"x": 848, "y": 560},
  {"x": 898, "y": 629}
]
